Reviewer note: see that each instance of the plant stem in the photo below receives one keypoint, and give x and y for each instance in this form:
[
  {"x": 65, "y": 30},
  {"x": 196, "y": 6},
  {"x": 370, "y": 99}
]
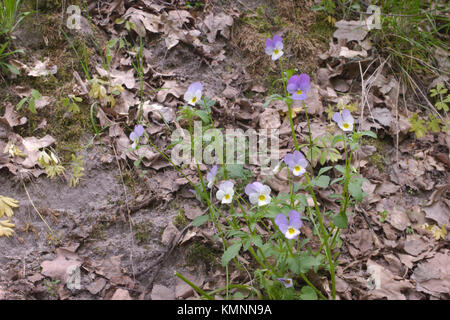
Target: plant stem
[
  {"x": 325, "y": 237},
  {"x": 310, "y": 141},
  {"x": 312, "y": 286},
  {"x": 289, "y": 104},
  {"x": 193, "y": 286}
]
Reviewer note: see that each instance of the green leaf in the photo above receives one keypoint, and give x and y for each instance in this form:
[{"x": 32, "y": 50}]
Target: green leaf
[
  {"x": 324, "y": 169},
  {"x": 417, "y": 126},
  {"x": 197, "y": 222},
  {"x": 36, "y": 94},
  {"x": 32, "y": 106},
  {"x": 336, "y": 180},
  {"x": 74, "y": 108},
  {"x": 308, "y": 293},
  {"x": 323, "y": 157},
  {"x": 336, "y": 139},
  {"x": 321, "y": 182},
  {"x": 434, "y": 123},
  {"x": 440, "y": 105},
  {"x": 355, "y": 188},
  {"x": 307, "y": 262},
  {"x": 340, "y": 221},
  {"x": 21, "y": 102},
  {"x": 12, "y": 69},
  {"x": 340, "y": 168},
  {"x": 294, "y": 264},
  {"x": 65, "y": 102},
  {"x": 202, "y": 115},
  {"x": 231, "y": 253},
  {"x": 369, "y": 134}
]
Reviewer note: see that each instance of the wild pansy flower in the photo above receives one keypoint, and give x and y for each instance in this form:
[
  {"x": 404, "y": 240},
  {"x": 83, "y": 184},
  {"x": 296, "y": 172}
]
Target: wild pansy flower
[
  {"x": 290, "y": 228},
  {"x": 298, "y": 86},
  {"x": 194, "y": 93},
  {"x": 274, "y": 47},
  {"x": 286, "y": 281},
  {"x": 226, "y": 192},
  {"x": 136, "y": 134},
  {"x": 344, "y": 120},
  {"x": 258, "y": 193},
  {"x": 296, "y": 162},
  {"x": 211, "y": 176}
]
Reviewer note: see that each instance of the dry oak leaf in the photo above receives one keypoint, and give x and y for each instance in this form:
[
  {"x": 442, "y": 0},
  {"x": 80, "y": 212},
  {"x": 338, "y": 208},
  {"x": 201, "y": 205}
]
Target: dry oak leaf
[
  {"x": 6, "y": 205},
  {"x": 215, "y": 23}
]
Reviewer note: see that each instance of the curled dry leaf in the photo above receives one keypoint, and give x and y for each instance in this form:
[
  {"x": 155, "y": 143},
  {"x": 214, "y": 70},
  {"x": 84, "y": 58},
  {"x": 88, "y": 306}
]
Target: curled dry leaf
[
  {"x": 218, "y": 23},
  {"x": 41, "y": 69},
  {"x": 11, "y": 117},
  {"x": 31, "y": 149}
]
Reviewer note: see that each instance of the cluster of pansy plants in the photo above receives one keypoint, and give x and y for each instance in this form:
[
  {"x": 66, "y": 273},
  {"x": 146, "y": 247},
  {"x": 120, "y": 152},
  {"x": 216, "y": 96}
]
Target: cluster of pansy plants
[{"x": 250, "y": 217}]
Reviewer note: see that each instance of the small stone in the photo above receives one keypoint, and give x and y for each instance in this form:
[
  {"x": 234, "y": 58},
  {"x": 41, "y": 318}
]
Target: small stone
[
  {"x": 121, "y": 294},
  {"x": 161, "y": 292}
]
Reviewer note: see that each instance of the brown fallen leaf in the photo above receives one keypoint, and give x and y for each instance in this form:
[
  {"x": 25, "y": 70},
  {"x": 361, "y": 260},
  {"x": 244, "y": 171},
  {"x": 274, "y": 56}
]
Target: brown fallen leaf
[
  {"x": 11, "y": 117},
  {"x": 433, "y": 276},
  {"x": 215, "y": 23},
  {"x": 61, "y": 267},
  {"x": 110, "y": 268},
  {"x": 384, "y": 284},
  {"x": 350, "y": 30}
]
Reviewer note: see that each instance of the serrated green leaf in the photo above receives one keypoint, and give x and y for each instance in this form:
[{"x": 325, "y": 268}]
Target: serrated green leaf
[{"x": 231, "y": 253}]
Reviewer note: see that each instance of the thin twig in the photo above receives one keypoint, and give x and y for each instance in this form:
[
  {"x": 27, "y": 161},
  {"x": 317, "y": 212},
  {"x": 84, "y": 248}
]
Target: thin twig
[{"x": 32, "y": 203}]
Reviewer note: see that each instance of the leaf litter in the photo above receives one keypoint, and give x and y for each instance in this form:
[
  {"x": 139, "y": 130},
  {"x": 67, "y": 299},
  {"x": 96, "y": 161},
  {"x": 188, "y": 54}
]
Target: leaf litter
[{"x": 411, "y": 237}]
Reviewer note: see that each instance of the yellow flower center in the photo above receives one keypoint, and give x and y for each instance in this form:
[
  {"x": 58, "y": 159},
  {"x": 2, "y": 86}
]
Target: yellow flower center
[
  {"x": 291, "y": 230},
  {"x": 299, "y": 92},
  {"x": 346, "y": 125},
  {"x": 297, "y": 168},
  {"x": 288, "y": 281},
  {"x": 227, "y": 197},
  {"x": 276, "y": 51},
  {"x": 262, "y": 197},
  {"x": 194, "y": 99}
]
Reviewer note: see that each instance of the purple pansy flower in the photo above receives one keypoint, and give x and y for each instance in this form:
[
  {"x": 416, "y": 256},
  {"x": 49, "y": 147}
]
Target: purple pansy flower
[
  {"x": 274, "y": 47},
  {"x": 296, "y": 162},
  {"x": 211, "y": 176},
  {"x": 193, "y": 93},
  {"x": 344, "y": 120},
  {"x": 298, "y": 86},
  {"x": 286, "y": 281},
  {"x": 136, "y": 134},
  {"x": 290, "y": 228},
  {"x": 258, "y": 193}
]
